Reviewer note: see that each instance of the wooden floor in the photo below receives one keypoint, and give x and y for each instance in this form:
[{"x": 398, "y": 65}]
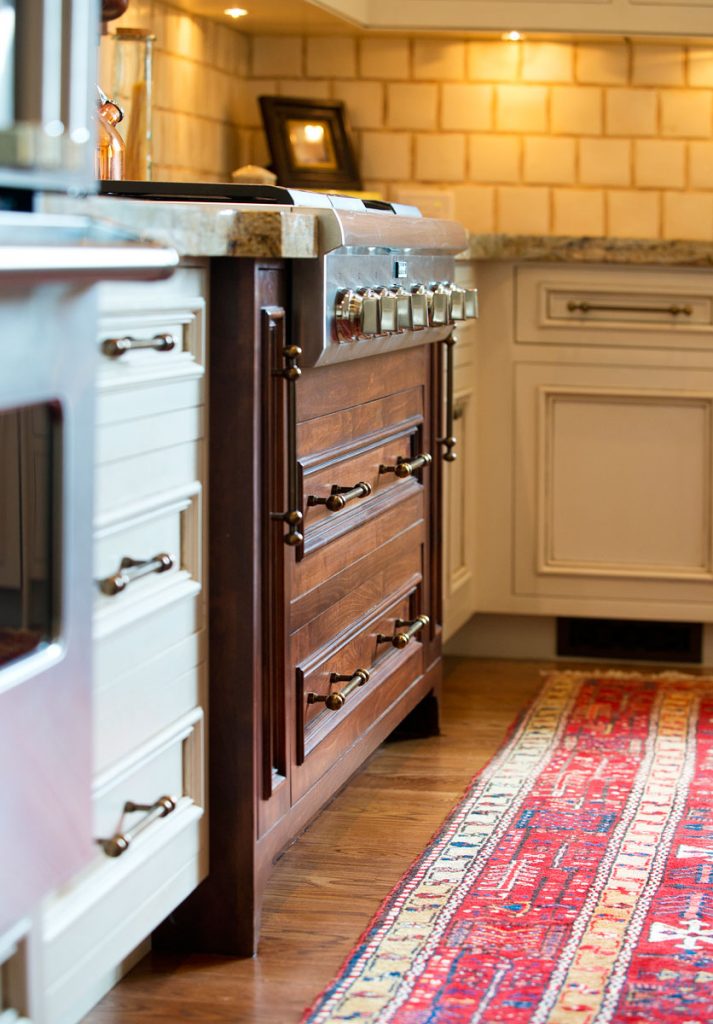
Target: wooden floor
[{"x": 327, "y": 886}]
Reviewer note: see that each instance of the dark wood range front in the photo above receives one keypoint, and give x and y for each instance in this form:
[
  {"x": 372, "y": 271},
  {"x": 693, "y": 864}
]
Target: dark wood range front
[{"x": 325, "y": 631}]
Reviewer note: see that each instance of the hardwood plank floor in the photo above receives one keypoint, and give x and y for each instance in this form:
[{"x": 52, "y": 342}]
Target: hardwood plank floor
[{"x": 327, "y": 886}]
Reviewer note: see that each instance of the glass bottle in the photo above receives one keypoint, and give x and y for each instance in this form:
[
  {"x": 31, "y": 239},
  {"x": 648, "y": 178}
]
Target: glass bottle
[
  {"x": 110, "y": 149},
  {"x": 133, "y": 88}
]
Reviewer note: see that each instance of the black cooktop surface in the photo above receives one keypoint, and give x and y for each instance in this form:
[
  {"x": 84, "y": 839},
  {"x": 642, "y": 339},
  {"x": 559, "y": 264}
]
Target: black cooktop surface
[{"x": 207, "y": 191}]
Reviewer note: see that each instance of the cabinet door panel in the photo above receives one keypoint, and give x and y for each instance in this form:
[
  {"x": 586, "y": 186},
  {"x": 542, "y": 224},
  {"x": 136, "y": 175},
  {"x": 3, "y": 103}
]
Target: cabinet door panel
[{"x": 613, "y": 484}]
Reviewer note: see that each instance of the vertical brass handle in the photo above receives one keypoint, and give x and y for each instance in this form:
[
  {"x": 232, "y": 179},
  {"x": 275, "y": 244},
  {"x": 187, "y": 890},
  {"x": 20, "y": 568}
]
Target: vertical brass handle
[
  {"x": 407, "y": 467},
  {"x": 131, "y": 569},
  {"x": 336, "y": 699},
  {"x": 115, "y": 347},
  {"x": 119, "y": 843},
  {"x": 449, "y": 441},
  {"x": 273, "y": 320},
  {"x": 340, "y": 496},
  {"x": 402, "y": 636}
]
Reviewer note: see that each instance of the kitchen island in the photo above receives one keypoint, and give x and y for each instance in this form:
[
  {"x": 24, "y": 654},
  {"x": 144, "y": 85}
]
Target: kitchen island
[{"x": 303, "y": 529}]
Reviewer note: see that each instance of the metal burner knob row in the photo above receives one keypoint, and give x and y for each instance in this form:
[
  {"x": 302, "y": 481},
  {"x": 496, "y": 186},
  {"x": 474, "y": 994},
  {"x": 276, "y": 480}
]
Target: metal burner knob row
[{"x": 372, "y": 312}]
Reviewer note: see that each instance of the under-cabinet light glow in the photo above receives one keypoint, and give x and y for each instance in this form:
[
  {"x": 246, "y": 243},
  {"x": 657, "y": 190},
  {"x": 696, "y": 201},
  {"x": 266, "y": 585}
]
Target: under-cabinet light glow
[
  {"x": 513, "y": 37},
  {"x": 235, "y": 12}
]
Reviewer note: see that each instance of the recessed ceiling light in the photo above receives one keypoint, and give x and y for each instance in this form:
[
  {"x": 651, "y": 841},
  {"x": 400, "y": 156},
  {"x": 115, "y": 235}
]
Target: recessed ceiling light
[
  {"x": 235, "y": 12},
  {"x": 513, "y": 37}
]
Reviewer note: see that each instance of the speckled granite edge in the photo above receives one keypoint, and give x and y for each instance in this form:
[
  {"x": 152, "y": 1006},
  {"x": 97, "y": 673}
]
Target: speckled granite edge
[
  {"x": 561, "y": 249},
  {"x": 203, "y": 229}
]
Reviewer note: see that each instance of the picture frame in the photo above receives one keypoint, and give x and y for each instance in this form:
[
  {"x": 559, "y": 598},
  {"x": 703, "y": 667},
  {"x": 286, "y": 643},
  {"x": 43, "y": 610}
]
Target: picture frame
[{"x": 309, "y": 143}]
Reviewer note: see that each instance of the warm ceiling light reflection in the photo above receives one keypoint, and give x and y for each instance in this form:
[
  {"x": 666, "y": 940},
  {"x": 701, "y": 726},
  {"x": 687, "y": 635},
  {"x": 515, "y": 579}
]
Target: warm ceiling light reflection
[
  {"x": 235, "y": 12},
  {"x": 513, "y": 37},
  {"x": 314, "y": 132}
]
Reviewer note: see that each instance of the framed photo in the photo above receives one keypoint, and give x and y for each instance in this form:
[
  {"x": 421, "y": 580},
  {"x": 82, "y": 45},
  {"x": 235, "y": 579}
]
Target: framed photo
[{"x": 309, "y": 143}]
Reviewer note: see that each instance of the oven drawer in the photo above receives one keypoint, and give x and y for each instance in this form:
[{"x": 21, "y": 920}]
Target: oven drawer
[
  {"x": 628, "y": 307},
  {"x": 350, "y": 683},
  {"x": 320, "y": 577},
  {"x": 344, "y": 488},
  {"x": 361, "y": 422},
  {"x": 98, "y": 920}
]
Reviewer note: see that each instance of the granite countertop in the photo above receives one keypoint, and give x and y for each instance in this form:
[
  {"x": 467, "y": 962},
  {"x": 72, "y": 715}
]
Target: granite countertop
[
  {"x": 566, "y": 249},
  {"x": 203, "y": 229},
  {"x": 221, "y": 229}
]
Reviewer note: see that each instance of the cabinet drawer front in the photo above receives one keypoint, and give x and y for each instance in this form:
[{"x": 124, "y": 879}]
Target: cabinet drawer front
[
  {"x": 326, "y": 740},
  {"x": 163, "y": 543},
  {"x": 368, "y": 649},
  {"x": 150, "y": 398},
  {"x": 138, "y": 436},
  {"x": 343, "y": 472},
  {"x": 360, "y": 422},
  {"x": 146, "y": 473},
  {"x": 93, "y": 924},
  {"x": 627, "y": 307},
  {"x": 325, "y": 565},
  {"x": 139, "y": 704},
  {"x": 347, "y": 596},
  {"x": 152, "y": 331}
]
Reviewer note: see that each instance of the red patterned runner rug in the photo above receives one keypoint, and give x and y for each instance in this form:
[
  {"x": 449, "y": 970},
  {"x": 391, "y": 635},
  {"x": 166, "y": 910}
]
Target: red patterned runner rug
[{"x": 573, "y": 884}]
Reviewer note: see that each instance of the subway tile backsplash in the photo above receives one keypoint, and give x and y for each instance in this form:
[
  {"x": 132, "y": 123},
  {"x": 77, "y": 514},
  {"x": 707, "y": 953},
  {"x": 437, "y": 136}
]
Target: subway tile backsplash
[{"x": 612, "y": 138}]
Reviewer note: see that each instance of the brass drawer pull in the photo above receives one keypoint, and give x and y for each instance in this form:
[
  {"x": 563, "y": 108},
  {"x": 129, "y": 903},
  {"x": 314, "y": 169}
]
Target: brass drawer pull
[
  {"x": 588, "y": 307},
  {"x": 336, "y": 699},
  {"x": 131, "y": 569},
  {"x": 340, "y": 496},
  {"x": 401, "y": 637},
  {"x": 407, "y": 467},
  {"x": 115, "y": 347},
  {"x": 120, "y": 842}
]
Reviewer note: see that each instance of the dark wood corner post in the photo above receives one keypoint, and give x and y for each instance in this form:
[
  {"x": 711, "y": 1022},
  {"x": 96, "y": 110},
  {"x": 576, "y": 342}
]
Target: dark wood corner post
[{"x": 223, "y": 914}]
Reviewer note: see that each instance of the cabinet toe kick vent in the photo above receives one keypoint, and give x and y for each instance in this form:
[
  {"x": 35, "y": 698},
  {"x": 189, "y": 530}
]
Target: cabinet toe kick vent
[{"x": 626, "y": 639}]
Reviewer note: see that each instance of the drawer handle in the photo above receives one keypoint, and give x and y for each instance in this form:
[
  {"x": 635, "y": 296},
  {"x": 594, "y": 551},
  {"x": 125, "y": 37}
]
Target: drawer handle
[
  {"x": 273, "y": 333},
  {"x": 131, "y": 569},
  {"x": 120, "y": 842},
  {"x": 340, "y": 496},
  {"x": 407, "y": 467},
  {"x": 588, "y": 307},
  {"x": 336, "y": 699},
  {"x": 115, "y": 347},
  {"x": 401, "y": 637},
  {"x": 450, "y": 440}
]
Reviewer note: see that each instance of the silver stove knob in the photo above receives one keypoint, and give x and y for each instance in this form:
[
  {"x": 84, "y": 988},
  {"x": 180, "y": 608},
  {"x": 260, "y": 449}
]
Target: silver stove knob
[
  {"x": 457, "y": 303},
  {"x": 421, "y": 303},
  {"x": 404, "y": 309},
  {"x": 356, "y": 314},
  {"x": 441, "y": 309},
  {"x": 369, "y": 313},
  {"x": 388, "y": 312},
  {"x": 471, "y": 303}
]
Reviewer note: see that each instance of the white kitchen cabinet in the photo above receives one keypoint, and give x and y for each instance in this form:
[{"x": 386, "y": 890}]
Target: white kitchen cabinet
[
  {"x": 594, "y": 468},
  {"x": 459, "y": 492},
  {"x": 643, "y": 17},
  {"x": 149, "y": 642}
]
